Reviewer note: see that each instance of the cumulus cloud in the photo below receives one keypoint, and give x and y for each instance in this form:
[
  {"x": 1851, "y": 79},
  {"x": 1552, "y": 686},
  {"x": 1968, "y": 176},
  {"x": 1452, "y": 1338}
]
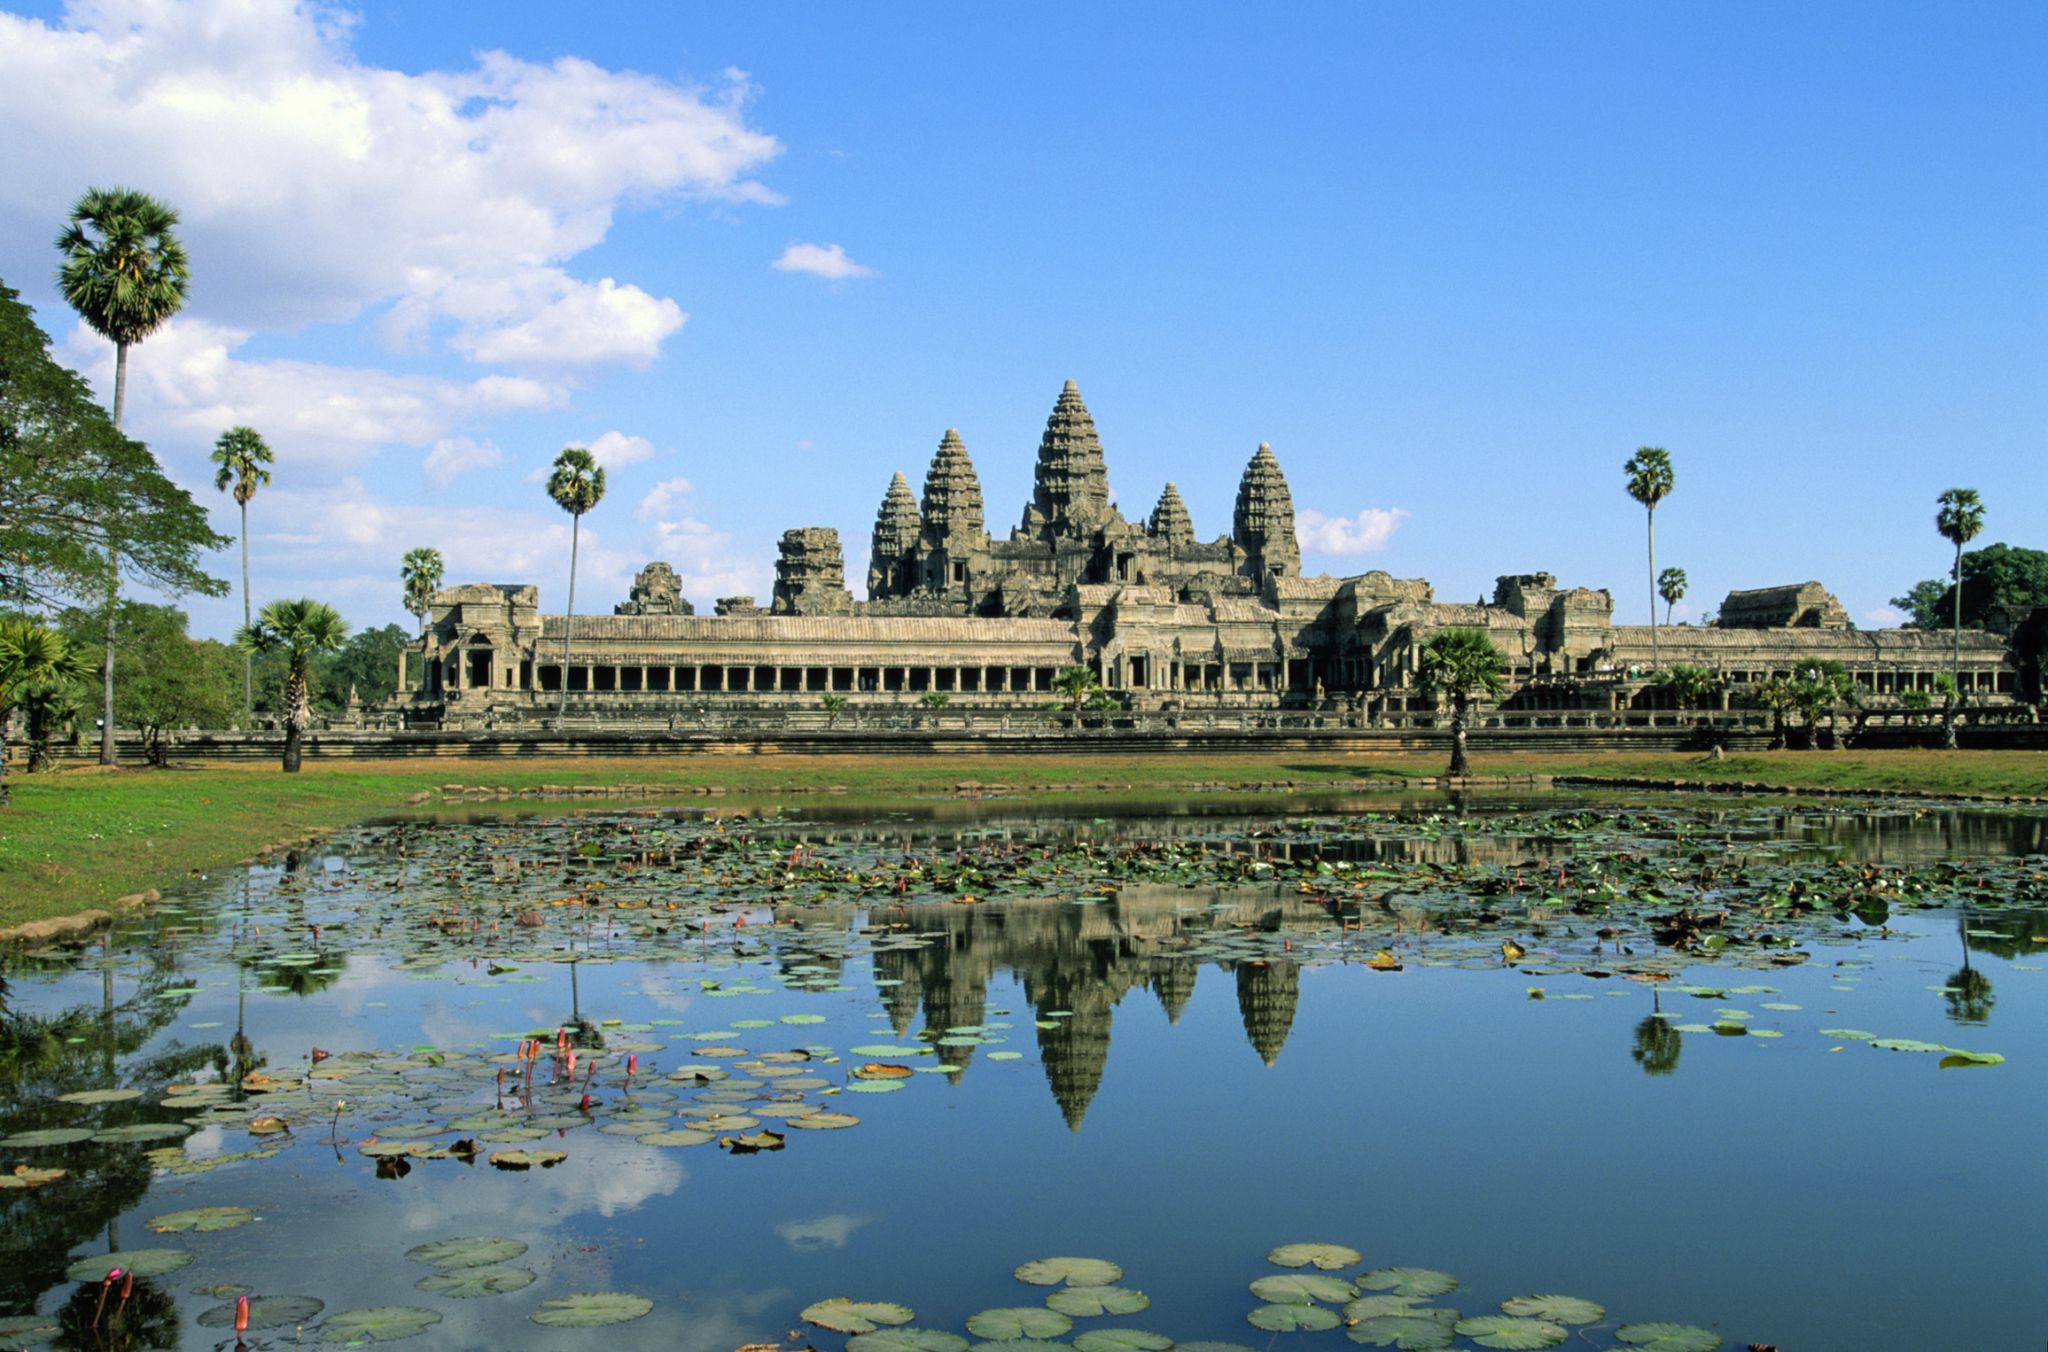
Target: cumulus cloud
[
  {"x": 825, "y": 1232},
  {"x": 616, "y": 450},
  {"x": 821, "y": 260},
  {"x": 1365, "y": 533},
  {"x": 663, "y": 498},
  {"x": 705, "y": 561},
  {"x": 314, "y": 186},
  {"x": 188, "y": 379},
  {"x": 459, "y": 455}
]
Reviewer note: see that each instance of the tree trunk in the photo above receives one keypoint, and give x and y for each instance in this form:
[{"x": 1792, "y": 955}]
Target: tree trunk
[
  {"x": 298, "y": 713},
  {"x": 569, "y": 620},
  {"x": 1650, "y": 517},
  {"x": 107, "y": 756},
  {"x": 1461, "y": 763},
  {"x": 248, "y": 658}
]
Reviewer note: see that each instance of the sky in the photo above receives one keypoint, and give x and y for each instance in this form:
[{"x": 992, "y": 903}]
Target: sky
[{"x": 1454, "y": 262}]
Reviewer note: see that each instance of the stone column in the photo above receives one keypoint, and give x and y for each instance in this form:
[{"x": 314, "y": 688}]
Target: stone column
[{"x": 401, "y": 671}]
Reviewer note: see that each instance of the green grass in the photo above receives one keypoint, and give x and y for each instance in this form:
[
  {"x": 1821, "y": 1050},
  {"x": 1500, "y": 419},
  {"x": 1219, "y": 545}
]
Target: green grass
[{"x": 77, "y": 839}]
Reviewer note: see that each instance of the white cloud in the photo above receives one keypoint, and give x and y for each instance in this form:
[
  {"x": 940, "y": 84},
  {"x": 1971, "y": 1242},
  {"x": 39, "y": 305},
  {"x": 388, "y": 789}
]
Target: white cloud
[
  {"x": 459, "y": 455},
  {"x": 704, "y": 560},
  {"x": 1365, "y": 533},
  {"x": 825, "y": 1232},
  {"x": 1884, "y": 617},
  {"x": 821, "y": 260},
  {"x": 314, "y": 186},
  {"x": 188, "y": 379},
  {"x": 663, "y": 498},
  {"x": 615, "y": 450}
]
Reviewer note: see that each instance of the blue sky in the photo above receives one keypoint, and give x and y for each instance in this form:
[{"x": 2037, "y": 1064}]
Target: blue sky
[{"x": 1454, "y": 262}]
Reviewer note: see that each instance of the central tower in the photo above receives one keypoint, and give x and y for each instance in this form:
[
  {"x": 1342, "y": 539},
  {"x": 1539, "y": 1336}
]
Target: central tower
[{"x": 1070, "y": 485}]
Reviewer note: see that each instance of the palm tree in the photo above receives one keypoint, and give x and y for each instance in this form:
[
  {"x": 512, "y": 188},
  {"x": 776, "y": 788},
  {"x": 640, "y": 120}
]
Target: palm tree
[
  {"x": 420, "y": 573},
  {"x": 301, "y": 630},
  {"x": 1078, "y": 686},
  {"x": 124, "y": 271},
  {"x": 1461, "y": 663},
  {"x": 32, "y": 657},
  {"x": 1649, "y": 482},
  {"x": 241, "y": 456},
  {"x": 576, "y": 485},
  {"x": 1671, "y": 586},
  {"x": 1959, "y": 517}
]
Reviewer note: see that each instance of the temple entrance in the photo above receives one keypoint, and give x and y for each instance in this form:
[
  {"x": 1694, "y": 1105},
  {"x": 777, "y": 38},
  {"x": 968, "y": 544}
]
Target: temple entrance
[{"x": 480, "y": 668}]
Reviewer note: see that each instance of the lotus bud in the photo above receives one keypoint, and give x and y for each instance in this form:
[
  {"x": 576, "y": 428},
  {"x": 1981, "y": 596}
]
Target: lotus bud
[
  {"x": 127, "y": 1284},
  {"x": 586, "y": 1104},
  {"x": 241, "y": 1314},
  {"x": 632, "y": 1062}
]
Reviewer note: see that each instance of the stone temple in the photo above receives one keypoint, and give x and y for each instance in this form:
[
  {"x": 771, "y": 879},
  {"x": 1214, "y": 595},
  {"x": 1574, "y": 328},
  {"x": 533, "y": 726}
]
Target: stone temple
[{"x": 1163, "y": 618}]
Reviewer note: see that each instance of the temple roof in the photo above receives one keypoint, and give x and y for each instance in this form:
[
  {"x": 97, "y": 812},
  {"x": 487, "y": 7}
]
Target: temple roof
[
  {"x": 952, "y": 490},
  {"x": 1264, "y": 506},
  {"x": 1070, "y": 486},
  {"x": 897, "y": 522},
  {"x": 1170, "y": 521}
]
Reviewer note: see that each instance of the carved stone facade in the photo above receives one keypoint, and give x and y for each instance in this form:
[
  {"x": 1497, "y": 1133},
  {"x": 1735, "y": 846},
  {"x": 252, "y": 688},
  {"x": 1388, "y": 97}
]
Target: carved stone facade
[{"x": 1163, "y": 618}]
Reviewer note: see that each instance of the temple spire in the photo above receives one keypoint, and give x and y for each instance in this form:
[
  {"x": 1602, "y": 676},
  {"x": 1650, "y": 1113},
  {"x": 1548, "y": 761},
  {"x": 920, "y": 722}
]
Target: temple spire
[
  {"x": 1170, "y": 521},
  {"x": 896, "y": 527},
  {"x": 1070, "y": 488},
  {"x": 952, "y": 491},
  {"x": 1263, "y": 524}
]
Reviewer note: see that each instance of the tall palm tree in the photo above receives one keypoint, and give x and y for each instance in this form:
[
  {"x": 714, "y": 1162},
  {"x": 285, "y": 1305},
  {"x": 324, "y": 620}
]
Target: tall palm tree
[
  {"x": 124, "y": 271},
  {"x": 1671, "y": 586},
  {"x": 576, "y": 485},
  {"x": 1462, "y": 663},
  {"x": 240, "y": 457},
  {"x": 1959, "y": 516},
  {"x": 1649, "y": 482},
  {"x": 32, "y": 657},
  {"x": 301, "y": 630},
  {"x": 420, "y": 573}
]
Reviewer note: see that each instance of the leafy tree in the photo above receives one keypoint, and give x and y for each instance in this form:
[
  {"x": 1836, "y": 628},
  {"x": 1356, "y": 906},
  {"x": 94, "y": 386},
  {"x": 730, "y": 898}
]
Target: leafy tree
[
  {"x": 124, "y": 272},
  {"x": 1689, "y": 687},
  {"x": 420, "y": 572},
  {"x": 1458, "y": 664},
  {"x": 1650, "y": 482},
  {"x": 164, "y": 679},
  {"x": 1774, "y": 693},
  {"x": 935, "y": 700},
  {"x": 833, "y": 705},
  {"x": 240, "y": 458},
  {"x": 1996, "y": 578},
  {"x": 32, "y": 656},
  {"x": 1959, "y": 517},
  {"x": 300, "y": 630},
  {"x": 77, "y": 499},
  {"x": 1818, "y": 690},
  {"x": 367, "y": 664},
  {"x": 1671, "y": 586},
  {"x": 576, "y": 485},
  {"x": 1076, "y": 686}
]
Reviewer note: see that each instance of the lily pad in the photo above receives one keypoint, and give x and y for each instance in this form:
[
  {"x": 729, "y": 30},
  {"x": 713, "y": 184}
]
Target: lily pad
[
  {"x": 1557, "y": 1309},
  {"x": 100, "y": 1096},
  {"x": 907, "y": 1340},
  {"x": 1669, "y": 1337},
  {"x": 1505, "y": 1330},
  {"x": 1072, "y": 1271},
  {"x": 591, "y": 1309},
  {"x": 1418, "y": 1331},
  {"x": 1293, "y": 1318},
  {"x": 1121, "y": 1340},
  {"x": 202, "y": 1219},
  {"x": 1018, "y": 1321},
  {"x": 1369, "y": 1307},
  {"x": 27, "y": 1330},
  {"x": 141, "y": 1262},
  {"x": 1300, "y": 1288},
  {"x": 266, "y": 1312},
  {"x": 1087, "y": 1301},
  {"x": 1328, "y": 1257},
  {"x": 810, "y": 1121},
  {"x": 380, "y": 1324},
  {"x": 473, "y": 1251},
  {"x": 1422, "y": 1283},
  {"x": 1906, "y": 1044},
  {"x": 141, "y": 1131},
  {"x": 25, "y": 1140},
  {"x": 1958, "y": 1057},
  {"x": 855, "y": 1316},
  {"x": 467, "y": 1283},
  {"x": 526, "y": 1159},
  {"x": 678, "y": 1138}
]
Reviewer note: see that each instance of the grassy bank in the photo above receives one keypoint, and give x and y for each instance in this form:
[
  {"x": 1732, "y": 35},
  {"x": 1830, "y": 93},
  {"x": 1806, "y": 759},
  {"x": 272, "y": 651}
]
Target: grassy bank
[{"x": 77, "y": 839}]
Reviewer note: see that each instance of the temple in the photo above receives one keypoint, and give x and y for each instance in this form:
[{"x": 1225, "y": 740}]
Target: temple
[{"x": 1165, "y": 620}]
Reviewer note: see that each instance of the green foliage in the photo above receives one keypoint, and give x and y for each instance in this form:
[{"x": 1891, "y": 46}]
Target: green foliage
[
  {"x": 1671, "y": 586},
  {"x": 300, "y": 631},
  {"x": 1959, "y": 515},
  {"x": 420, "y": 572},
  {"x": 1460, "y": 663},
  {"x": 240, "y": 458},
  {"x": 1689, "y": 687},
  {"x": 576, "y": 482},
  {"x": 41, "y": 675},
  {"x": 367, "y": 663},
  {"x": 124, "y": 270},
  {"x": 1650, "y": 478},
  {"x": 935, "y": 700},
  {"x": 833, "y": 705},
  {"x": 1995, "y": 578},
  {"x": 164, "y": 679},
  {"x": 1819, "y": 690},
  {"x": 73, "y": 486},
  {"x": 1076, "y": 686}
]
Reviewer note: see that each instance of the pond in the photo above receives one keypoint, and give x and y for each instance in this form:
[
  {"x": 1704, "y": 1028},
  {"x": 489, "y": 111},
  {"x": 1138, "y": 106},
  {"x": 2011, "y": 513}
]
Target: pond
[{"x": 1298, "y": 1074}]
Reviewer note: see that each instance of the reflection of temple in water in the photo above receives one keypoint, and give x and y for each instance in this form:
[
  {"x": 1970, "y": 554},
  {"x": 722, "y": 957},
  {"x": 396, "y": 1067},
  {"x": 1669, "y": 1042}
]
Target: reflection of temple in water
[{"x": 1076, "y": 963}]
